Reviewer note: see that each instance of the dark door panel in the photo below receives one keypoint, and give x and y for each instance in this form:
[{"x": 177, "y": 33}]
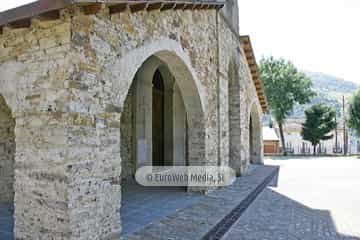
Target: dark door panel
[{"x": 158, "y": 120}]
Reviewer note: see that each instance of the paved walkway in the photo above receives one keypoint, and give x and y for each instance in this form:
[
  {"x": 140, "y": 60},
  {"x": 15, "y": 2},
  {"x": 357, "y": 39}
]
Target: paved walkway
[
  {"x": 311, "y": 199},
  {"x": 172, "y": 213},
  {"x": 196, "y": 221},
  {"x": 143, "y": 205},
  {"x": 314, "y": 199},
  {"x": 140, "y": 206}
]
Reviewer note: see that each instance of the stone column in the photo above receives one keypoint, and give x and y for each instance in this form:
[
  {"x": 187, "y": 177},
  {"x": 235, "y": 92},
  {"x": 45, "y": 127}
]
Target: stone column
[
  {"x": 169, "y": 82},
  {"x": 197, "y": 142},
  {"x": 143, "y": 88},
  {"x": 67, "y": 175},
  {"x": 41, "y": 179},
  {"x": 235, "y": 117},
  {"x": 245, "y": 142},
  {"x": 179, "y": 128},
  {"x": 7, "y": 153},
  {"x": 128, "y": 133},
  {"x": 256, "y": 155},
  {"x": 94, "y": 168}
]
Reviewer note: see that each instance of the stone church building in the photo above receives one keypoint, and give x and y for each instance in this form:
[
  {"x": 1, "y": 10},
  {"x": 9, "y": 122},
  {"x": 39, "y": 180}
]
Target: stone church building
[{"x": 92, "y": 90}]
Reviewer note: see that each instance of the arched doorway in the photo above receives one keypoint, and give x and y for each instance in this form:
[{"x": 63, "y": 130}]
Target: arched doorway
[
  {"x": 153, "y": 121},
  {"x": 7, "y": 161},
  {"x": 255, "y": 136},
  {"x": 155, "y": 131},
  {"x": 135, "y": 65}
]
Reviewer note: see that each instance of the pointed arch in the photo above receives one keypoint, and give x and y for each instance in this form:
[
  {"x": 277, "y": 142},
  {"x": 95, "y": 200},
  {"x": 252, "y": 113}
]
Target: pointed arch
[{"x": 255, "y": 134}]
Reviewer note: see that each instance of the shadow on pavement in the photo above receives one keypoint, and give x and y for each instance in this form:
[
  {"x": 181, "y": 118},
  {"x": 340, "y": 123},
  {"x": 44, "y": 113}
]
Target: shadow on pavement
[{"x": 274, "y": 216}]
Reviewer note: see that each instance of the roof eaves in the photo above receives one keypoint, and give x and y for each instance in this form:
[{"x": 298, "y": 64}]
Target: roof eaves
[
  {"x": 250, "y": 57},
  {"x": 39, "y": 7},
  {"x": 31, "y": 10}
]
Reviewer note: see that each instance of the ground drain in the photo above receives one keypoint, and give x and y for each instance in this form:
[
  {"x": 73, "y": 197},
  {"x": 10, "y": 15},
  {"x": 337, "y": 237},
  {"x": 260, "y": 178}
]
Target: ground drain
[{"x": 219, "y": 230}]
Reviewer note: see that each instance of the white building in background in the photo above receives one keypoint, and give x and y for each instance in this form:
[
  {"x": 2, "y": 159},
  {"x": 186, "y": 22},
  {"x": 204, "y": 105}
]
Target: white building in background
[{"x": 296, "y": 145}]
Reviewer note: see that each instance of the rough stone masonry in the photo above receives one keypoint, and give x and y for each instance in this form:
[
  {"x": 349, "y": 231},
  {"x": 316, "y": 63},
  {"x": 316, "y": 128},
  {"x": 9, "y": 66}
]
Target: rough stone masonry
[{"x": 79, "y": 88}]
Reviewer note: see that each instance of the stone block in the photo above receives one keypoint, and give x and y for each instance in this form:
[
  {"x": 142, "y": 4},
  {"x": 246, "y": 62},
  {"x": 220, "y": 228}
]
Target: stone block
[{"x": 46, "y": 43}]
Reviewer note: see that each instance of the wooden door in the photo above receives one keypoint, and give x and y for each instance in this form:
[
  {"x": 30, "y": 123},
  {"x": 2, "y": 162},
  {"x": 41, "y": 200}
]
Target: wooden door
[{"x": 158, "y": 120}]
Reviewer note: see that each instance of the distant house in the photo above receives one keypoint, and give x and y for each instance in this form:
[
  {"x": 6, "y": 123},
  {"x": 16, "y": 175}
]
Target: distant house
[
  {"x": 271, "y": 141},
  {"x": 296, "y": 145}
]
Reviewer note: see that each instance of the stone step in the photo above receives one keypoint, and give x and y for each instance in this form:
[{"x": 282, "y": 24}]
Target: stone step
[{"x": 212, "y": 216}]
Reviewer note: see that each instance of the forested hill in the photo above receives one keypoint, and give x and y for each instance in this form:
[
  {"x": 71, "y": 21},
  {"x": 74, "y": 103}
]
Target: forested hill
[{"x": 329, "y": 90}]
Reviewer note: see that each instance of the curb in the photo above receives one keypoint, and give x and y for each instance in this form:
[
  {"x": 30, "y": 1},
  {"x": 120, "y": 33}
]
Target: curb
[{"x": 222, "y": 227}]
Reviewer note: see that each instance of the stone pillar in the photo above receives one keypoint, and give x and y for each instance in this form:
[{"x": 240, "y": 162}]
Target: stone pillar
[
  {"x": 179, "y": 128},
  {"x": 7, "y": 153},
  {"x": 257, "y": 151},
  {"x": 260, "y": 158},
  {"x": 41, "y": 181},
  {"x": 67, "y": 176},
  {"x": 196, "y": 142},
  {"x": 94, "y": 168},
  {"x": 143, "y": 88},
  {"x": 169, "y": 83},
  {"x": 197, "y": 147},
  {"x": 235, "y": 116},
  {"x": 128, "y": 133},
  {"x": 244, "y": 121}
]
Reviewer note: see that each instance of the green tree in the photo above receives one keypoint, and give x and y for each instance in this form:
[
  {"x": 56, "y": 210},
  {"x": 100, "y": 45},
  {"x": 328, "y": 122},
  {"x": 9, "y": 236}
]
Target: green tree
[
  {"x": 320, "y": 121},
  {"x": 354, "y": 112},
  {"x": 284, "y": 87}
]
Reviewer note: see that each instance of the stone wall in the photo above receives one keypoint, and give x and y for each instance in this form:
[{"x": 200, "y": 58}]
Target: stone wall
[
  {"x": 104, "y": 41},
  {"x": 128, "y": 161},
  {"x": 35, "y": 64},
  {"x": 7, "y": 153},
  {"x": 250, "y": 106},
  {"x": 229, "y": 53},
  {"x": 256, "y": 141},
  {"x": 66, "y": 83},
  {"x": 179, "y": 129},
  {"x": 67, "y": 146},
  {"x": 231, "y": 13},
  {"x": 240, "y": 96}
]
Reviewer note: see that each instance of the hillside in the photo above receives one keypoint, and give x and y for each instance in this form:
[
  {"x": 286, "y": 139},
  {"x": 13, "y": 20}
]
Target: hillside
[{"x": 329, "y": 90}]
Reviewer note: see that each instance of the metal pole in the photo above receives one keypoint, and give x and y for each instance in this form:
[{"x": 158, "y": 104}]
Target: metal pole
[
  {"x": 345, "y": 145},
  {"x": 336, "y": 136}
]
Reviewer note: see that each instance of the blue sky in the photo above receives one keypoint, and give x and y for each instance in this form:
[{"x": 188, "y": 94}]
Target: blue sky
[{"x": 316, "y": 35}]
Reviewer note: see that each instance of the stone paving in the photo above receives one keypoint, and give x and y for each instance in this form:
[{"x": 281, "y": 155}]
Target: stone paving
[
  {"x": 140, "y": 206},
  {"x": 170, "y": 213},
  {"x": 313, "y": 199},
  {"x": 143, "y": 205},
  {"x": 195, "y": 221}
]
